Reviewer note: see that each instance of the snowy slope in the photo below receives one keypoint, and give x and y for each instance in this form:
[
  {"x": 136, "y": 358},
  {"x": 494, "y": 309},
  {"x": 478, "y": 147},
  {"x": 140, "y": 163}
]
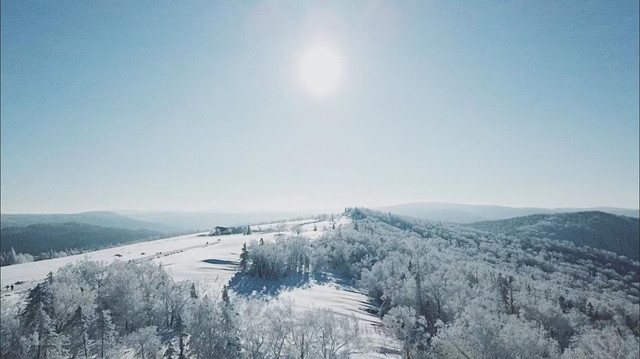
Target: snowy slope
[
  {"x": 36, "y": 271},
  {"x": 212, "y": 262}
]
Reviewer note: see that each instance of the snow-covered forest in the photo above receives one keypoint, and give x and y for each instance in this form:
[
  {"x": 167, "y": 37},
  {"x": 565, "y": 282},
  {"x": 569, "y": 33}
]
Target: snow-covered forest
[
  {"x": 92, "y": 310},
  {"x": 441, "y": 291}
]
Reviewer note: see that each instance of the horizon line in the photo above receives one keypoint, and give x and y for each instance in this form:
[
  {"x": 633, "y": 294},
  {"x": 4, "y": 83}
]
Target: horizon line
[{"x": 315, "y": 210}]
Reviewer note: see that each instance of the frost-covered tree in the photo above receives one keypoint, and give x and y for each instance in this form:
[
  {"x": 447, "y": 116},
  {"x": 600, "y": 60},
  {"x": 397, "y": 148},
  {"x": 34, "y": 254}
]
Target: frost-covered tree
[
  {"x": 180, "y": 332},
  {"x": 104, "y": 333},
  {"x": 174, "y": 298},
  {"x": 279, "y": 259},
  {"x": 12, "y": 256},
  {"x": 68, "y": 293},
  {"x": 244, "y": 257},
  {"x": 213, "y": 329},
  {"x": 11, "y": 345},
  {"x": 406, "y": 325},
  {"x": 54, "y": 346},
  {"x": 254, "y": 329},
  {"x": 301, "y": 335},
  {"x": 144, "y": 342},
  {"x": 193, "y": 292},
  {"x": 78, "y": 333},
  {"x": 277, "y": 332},
  {"x": 336, "y": 336},
  {"x": 230, "y": 341},
  {"x": 483, "y": 333},
  {"x": 608, "y": 342},
  {"x": 36, "y": 320}
]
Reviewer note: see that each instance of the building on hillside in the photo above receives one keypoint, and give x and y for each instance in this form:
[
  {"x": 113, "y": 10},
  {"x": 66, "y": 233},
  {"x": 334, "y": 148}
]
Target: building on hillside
[{"x": 222, "y": 230}]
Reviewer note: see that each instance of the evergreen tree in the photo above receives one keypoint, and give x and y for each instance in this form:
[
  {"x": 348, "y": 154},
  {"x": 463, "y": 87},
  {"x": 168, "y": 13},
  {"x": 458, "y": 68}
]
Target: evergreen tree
[
  {"x": 105, "y": 331},
  {"x": 194, "y": 292},
  {"x": 54, "y": 345},
  {"x": 244, "y": 256},
  {"x": 78, "y": 334},
  {"x": 41, "y": 327},
  {"x": 225, "y": 296},
  {"x": 11, "y": 341},
  {"x": 180, "y": 328},
  {"x": 37, "y": 323},
  {"x": 229, "y": 346},
  {"x": 505, "y": 285},
  {"x": 34, "y": 316},
  {"x": 50, "y": 279}
]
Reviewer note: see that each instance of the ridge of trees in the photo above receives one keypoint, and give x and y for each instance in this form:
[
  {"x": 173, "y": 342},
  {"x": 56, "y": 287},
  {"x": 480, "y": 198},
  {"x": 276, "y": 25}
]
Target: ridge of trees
[{"x": 453, "y": 291}]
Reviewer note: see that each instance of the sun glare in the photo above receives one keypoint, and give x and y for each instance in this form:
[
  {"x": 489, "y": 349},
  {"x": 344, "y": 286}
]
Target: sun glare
[{"x": 319, "y": 70}]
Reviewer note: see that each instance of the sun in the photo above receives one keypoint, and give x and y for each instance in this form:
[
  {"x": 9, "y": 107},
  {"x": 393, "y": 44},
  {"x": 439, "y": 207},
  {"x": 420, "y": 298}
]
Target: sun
[{"x": 320, "y": 70}]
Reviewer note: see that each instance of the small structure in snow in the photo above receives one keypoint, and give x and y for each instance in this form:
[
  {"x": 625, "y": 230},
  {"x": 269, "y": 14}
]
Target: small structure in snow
[{"x": 222, "y": 230}]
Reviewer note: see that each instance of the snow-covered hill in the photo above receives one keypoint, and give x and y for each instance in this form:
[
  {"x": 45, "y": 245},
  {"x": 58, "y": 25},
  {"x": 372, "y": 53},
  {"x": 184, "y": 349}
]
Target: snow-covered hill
[{"x": 212, "y": 261}]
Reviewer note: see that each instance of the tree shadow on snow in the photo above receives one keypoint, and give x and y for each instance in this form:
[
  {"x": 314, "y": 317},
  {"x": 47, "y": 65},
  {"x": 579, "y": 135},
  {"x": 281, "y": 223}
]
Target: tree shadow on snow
[
  {"x": 221, "y": 262},
  {"x": 248, "y": 285}
]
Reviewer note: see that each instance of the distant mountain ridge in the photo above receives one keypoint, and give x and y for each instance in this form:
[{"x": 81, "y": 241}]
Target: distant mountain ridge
[
  {"x": 44, "y": 237},
  {"x": 208, "y": 220},
  {"x": 466, "y": 213},
  {"x": 614, "y": 233},
  {"x": 97, "y": 218}
]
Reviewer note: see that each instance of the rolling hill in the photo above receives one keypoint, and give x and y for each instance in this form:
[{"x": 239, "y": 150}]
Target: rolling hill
[
  {"x": 96, "y": 218},
  {"x": 208, "y": 220},
  {"x": 465, "y": 213},
  {"x": 619, "y": 234},
  {"x": 43, "y": 237}
]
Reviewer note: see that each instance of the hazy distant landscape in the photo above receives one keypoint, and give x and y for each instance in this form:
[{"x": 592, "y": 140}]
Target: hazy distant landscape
[
  {"x": 461, "y": 213},
  {"x": 36, "y": 234}
]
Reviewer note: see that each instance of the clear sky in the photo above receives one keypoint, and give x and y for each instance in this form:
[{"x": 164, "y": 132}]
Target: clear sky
[{"x": 200, "y": 105}]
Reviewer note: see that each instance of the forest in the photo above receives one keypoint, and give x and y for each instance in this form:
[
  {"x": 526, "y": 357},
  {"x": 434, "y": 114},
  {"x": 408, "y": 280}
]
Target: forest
[
  {"x": 50, "y": 240},
  {"x": 595, "y": 229},
  {"x": 442, "y": 291}
]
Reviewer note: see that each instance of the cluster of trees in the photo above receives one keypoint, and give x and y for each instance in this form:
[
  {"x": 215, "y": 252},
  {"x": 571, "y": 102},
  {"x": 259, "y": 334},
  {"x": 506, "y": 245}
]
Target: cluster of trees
[
  {"x": 11, "y": 257},
  {"x": 284, "y": 257},
  {"x": 453, "y": 291},
  {"x": 278, "y": 331},
  {"x": 93, "y": 310}
]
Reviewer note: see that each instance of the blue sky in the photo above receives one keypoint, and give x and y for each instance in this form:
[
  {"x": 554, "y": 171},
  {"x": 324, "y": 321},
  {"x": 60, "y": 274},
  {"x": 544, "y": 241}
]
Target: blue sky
[{"x": 196, "y": 105}]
